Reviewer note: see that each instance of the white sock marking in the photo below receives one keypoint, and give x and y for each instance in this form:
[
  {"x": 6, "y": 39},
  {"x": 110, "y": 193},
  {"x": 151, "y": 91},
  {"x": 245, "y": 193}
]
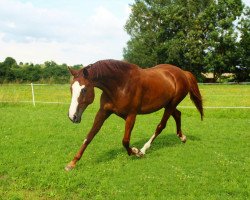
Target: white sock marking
[
  {"x": 84, "y": 141},
  {"x": 76, "y": 90},
  {"x": 147, "y": 145}
]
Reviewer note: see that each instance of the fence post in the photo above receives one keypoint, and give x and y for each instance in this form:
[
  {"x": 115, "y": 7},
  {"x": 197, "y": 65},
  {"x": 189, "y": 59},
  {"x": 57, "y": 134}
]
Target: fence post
[{"x": 33, "y": 95}]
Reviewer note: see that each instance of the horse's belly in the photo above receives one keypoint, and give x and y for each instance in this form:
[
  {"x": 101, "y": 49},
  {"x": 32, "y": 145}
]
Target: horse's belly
[
  {"x": 147, "y": 110},
  {"x": 154, "y": 103}
]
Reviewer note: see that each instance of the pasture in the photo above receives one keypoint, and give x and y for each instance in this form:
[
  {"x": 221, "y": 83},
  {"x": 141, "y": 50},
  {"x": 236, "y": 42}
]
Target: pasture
[{"x": 37, "y": 143}]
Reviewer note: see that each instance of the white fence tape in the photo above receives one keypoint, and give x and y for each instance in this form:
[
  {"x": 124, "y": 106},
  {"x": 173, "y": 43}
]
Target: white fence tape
[{"x": 188, "y": 107}]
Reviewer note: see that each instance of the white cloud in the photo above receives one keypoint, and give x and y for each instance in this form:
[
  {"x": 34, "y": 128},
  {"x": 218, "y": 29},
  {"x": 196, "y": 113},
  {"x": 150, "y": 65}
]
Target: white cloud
[
  {"x": 103, "y": 22},
  {"x": 34, "y": 34},
  {"x": 29, "y": 21},
  {"x": 246, "y": 2}
]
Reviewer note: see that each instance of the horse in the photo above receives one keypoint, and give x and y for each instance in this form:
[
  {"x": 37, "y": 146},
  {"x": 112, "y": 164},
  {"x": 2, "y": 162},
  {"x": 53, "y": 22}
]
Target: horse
[{"x": 128, "y": 90}]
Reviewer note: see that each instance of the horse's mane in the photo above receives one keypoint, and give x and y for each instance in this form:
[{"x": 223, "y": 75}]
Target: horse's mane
[{"x": 108, "y": 68}]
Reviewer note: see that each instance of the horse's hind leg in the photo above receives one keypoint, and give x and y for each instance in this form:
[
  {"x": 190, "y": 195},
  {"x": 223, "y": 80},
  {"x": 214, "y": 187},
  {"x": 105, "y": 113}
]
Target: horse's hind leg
[
  {"x": 177, "y": 117},
  {"x": 159, "y": 128}
]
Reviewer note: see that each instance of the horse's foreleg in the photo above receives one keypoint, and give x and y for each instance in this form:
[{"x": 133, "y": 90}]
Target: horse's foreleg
[
  {"x": 101, "y": 116},
  {"x": 130, "y": 121},
  {"x": 177, "y": 117},
  {"x": 158, "y": 130}
]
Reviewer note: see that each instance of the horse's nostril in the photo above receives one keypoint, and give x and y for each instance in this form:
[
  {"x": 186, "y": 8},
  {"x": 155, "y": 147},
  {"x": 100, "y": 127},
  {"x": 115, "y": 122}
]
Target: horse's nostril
[{"x": 74, "y": 118}]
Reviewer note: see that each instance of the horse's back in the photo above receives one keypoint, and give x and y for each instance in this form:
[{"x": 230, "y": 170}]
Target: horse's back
[
  {"x": 168, "y": 73},
  {"x": 169, "y": 69}
]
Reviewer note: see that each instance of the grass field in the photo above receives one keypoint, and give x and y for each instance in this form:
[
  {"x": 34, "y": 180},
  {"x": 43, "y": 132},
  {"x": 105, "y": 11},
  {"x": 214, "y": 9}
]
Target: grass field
[{"x": 37, "y": 142}]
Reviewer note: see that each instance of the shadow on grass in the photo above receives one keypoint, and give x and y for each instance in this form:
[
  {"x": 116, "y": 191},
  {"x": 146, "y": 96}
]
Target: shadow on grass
[{"x": 162, "y": 141}]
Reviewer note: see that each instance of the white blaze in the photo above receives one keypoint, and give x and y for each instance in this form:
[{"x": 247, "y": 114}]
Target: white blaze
[{"x": 76, "y": 90}]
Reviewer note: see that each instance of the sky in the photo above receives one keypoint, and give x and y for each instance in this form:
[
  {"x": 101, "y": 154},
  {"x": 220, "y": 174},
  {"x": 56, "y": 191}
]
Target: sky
[{"x": 71, "y": 32}]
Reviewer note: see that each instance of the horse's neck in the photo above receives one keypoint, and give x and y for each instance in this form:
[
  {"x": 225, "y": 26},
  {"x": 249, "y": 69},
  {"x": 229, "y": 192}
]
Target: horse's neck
[
  {"x": 108, "y": 86},
  {"x": 110, "y": 83}
]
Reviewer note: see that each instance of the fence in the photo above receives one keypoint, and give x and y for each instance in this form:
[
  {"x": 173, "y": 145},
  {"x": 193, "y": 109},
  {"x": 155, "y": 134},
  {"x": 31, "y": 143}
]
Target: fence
[
  {"x": 35, "y": 93},
  {"x": 215, "y": 96}
]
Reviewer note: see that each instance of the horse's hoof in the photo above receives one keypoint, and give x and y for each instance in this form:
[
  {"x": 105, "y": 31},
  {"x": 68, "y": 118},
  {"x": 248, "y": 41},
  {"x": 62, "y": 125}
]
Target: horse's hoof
[
  {"x": 183, "y": 138},
  {"x": 140, "y": 154},
  {"x": 137, "y": 152},
  {"x": 69, "y": 167}
]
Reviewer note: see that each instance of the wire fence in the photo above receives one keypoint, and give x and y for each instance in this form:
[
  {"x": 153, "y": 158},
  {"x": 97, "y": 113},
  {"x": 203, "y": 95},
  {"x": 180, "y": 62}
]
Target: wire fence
[{"x": 219, "y": 96}]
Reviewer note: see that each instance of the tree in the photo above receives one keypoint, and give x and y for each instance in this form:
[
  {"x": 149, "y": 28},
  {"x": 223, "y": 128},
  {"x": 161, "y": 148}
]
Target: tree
[
  {"x": 166, "y": 32},
  {"x": 142, "y": 26},
  {"x": 197, "y": 35},
  {"x": 242, "y": 71},
  {"x": 221, "y": 38},
  {"x": 6, "y": 69},
  {"x": 31, "y": 73},
  {"x": 55, "y": 72},
  {"x": 10, "y": 71}
]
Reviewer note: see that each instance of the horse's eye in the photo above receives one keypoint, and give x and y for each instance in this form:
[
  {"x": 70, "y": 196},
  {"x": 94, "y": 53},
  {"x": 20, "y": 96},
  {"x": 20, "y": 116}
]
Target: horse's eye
[{"x": 84, "y": 90}]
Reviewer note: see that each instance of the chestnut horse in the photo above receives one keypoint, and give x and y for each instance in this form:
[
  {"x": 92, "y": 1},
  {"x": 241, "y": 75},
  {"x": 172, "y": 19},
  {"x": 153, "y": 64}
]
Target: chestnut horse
[{"x": 128, "y": 90}]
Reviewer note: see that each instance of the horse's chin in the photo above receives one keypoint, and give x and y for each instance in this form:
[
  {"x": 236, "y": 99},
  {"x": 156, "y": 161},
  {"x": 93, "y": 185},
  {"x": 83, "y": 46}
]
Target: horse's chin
[{"x": 76, "y": 119}]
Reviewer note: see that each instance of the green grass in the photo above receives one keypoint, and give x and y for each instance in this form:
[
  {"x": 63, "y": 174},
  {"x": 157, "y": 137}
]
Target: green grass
[{"x": 37, "y": 142}]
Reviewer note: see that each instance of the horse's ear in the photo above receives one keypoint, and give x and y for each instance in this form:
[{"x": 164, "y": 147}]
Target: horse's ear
[
  {"x": 73, "y": 72},
  {"x": 85, "y": 72}
]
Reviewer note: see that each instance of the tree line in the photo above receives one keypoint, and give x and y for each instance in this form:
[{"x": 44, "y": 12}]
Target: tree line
[
  {"x": 202, "y": 36},
  {"x": 49, "y": 72}
]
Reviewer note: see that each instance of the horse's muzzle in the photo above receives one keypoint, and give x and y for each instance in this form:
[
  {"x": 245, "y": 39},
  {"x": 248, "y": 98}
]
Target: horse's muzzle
[{"x": 76, "y": 119}]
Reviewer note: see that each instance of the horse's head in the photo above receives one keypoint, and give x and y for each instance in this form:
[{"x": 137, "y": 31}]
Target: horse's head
[{"x": 82, "y": 92}]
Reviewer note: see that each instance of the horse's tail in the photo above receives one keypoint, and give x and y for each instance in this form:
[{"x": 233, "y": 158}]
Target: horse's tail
[{"x": 194, "y": 92}]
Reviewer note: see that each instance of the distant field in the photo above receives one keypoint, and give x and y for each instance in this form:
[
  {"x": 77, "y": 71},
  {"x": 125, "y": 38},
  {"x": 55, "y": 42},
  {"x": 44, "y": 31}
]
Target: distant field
[{"x": 37, "y": 142}]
